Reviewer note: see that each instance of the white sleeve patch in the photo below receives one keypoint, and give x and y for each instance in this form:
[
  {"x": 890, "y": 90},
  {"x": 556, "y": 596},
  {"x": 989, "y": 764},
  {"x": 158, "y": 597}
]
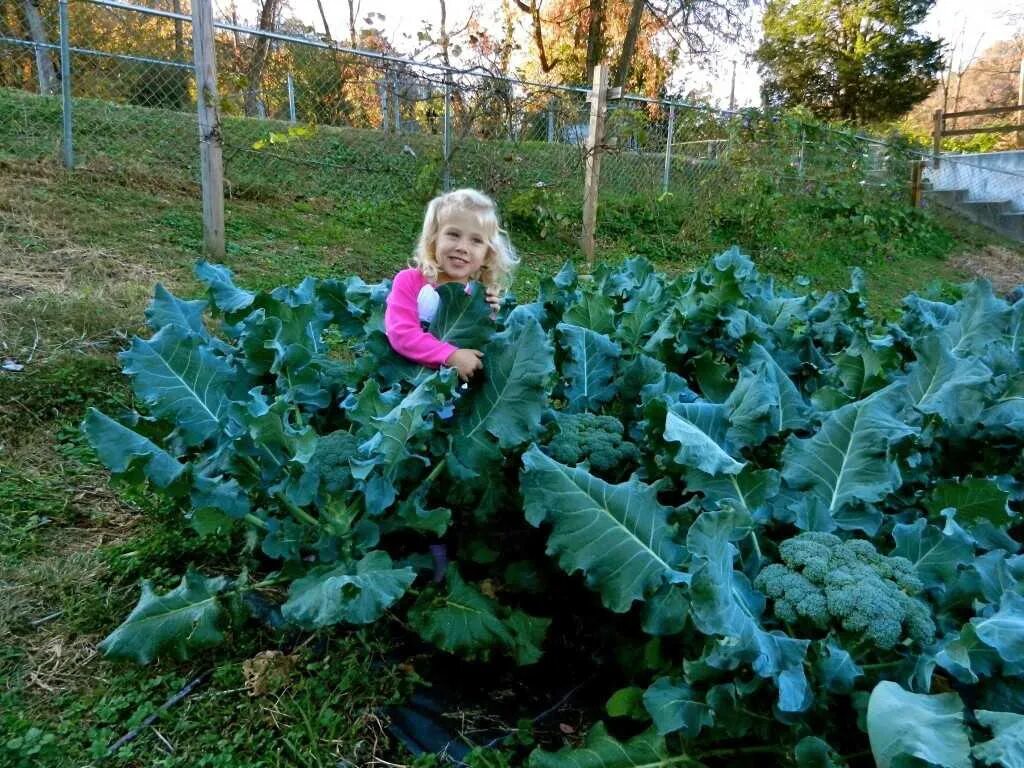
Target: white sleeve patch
[{"x": 427, "y": 303}]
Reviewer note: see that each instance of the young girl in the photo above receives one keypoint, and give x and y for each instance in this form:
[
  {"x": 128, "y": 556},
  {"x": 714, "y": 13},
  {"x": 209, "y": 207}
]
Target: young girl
[{"x": 461, "y": 241}]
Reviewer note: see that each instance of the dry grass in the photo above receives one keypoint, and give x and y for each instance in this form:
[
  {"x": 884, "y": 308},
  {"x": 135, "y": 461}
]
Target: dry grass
[
  {"x": 55, "y": 295},
  {"x": 1000, "y": 265}
]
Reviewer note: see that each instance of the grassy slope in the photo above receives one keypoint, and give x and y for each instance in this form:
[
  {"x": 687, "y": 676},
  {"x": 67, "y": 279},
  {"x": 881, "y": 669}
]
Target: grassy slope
[{"x": 78, "y": 256}]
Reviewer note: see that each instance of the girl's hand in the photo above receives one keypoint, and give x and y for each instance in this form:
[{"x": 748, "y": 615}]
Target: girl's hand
[
  {"x": 494, "y": 300},
  {"x": 466, "y": 362}
]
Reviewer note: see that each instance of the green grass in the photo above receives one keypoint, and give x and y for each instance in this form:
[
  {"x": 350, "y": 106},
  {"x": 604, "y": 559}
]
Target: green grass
[{"x": 79, "y": 253}]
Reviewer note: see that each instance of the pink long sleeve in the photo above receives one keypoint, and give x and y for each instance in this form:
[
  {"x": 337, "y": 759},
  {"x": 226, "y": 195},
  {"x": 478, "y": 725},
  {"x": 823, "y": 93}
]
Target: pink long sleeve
[{"x": 402, "y": 323}]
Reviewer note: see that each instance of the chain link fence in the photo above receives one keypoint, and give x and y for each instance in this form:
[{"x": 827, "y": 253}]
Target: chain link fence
[
  {"x": 305, "y": 118},
  {"x": 985, "y": 188}
]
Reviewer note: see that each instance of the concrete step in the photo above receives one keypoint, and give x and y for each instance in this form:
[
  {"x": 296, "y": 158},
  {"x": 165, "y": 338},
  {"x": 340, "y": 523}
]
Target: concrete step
[
  {"x": 1011, "y": 224},
  {"x": 948, "y": 197}
]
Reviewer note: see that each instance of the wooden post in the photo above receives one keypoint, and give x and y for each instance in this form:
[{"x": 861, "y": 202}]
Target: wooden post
[
  {"x": 937, "y": 137},
  {"x": 1020, "y": 103},
  {"x": 595, "y": 139},
  {"x": 916, "y": 172},
  {"x": 210, "y": 137}
]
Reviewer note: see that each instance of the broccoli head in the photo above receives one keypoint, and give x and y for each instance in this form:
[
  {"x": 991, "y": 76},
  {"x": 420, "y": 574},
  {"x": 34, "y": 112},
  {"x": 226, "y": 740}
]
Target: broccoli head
[
  {"x": 330, "y": 460},
  {"x": 825, "y": 580},
  {"x": 593, "y": 438}
]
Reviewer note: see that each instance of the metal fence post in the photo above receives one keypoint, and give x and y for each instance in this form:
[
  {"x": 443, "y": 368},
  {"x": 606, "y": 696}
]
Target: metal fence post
[
  {"x": 291, "y": 99},
  {"x": 396, "y": 100},
  {"x": 669, "y": 136},
  {"x": 800, "y": 159},
  {"x": 551, "y": 120},
  {"x": 67, "y": 117},
  {"x": 446, "y": 136}
]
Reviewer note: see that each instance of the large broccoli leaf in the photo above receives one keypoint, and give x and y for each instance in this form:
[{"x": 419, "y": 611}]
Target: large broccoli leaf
[
  {"x": 936, "y": 553},
  {"x": 123, "y": 450},
  {"x": 227, "y": 297},
  {"x": 945, "y": 385},
  {"x": 167, "y": 309},
  {"x": 354, "y": 595},
  {"x": 618, "y": 535},
  {"x": 675, "y": 706},
  {"x": 723, "y": 603},
  {"x": 189, "y": 617},
  {"x": 464, "y": 316},
  {"x": 700, "y": 429},
  {"x": 590, "y": 369},
  {"x": 461, "y": 619},
  {"x": 504, "y": 410},
  {"x": 848, "y": 460},
  {"x": 904, "y": 725},
  {"x": 1006, "y": 747},
  {"x": 182, "y": 381},
  {"x": 1004, "y": 629},
  {"x": 601, "y": 750}
]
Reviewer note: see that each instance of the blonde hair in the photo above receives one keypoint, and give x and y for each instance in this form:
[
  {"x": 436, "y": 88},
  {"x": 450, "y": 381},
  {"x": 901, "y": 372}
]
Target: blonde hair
[{"x": 501, "y": 259}]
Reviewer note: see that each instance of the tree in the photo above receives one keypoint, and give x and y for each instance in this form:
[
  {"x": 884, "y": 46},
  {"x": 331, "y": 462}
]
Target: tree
[
  {"x": 643, "y": 38},
  {"x": 855, "y": 60},
  {"x": 44, "y": 64},
  {"x": 254, "y": 104}
]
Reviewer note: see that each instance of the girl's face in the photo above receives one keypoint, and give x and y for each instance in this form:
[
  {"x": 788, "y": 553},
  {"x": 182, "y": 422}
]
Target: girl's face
[{"x": 461, "y": 247}]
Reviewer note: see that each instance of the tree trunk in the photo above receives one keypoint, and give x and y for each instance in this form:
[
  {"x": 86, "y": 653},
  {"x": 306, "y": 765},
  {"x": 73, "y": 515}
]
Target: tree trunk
[
  {"x": 636, "y": 14},
  {"x": 595, "y": 37},
  {"x": 44, "y": 64},
  {"x": 254, "y": 106},
  {"x": 444, "y": 35},
  {"x": 323, "y": 18},
  {"x": 533, "y": 9},
  {"x": 351, "y": 23}
]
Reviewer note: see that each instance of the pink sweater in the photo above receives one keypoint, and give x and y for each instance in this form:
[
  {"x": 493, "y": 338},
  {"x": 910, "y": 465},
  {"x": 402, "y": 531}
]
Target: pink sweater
[{"x": 402, "y": 322}]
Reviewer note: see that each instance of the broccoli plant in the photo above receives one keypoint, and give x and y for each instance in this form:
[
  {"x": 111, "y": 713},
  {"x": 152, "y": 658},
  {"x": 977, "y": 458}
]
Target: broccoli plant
[
  {"x": 827, "y": 582},
  {"x": 758, "y": 418}
]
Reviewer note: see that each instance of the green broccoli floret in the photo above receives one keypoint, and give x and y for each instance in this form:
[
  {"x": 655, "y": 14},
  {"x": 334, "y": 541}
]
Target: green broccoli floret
[
  {"x": 330, "y": 460},
  {"x": 823, "y": 579},
  {"x": 593, "y": 438}
]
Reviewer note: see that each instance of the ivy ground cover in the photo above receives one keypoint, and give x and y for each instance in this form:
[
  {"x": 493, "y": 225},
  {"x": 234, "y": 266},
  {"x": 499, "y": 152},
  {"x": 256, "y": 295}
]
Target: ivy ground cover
[{"x": 801, "y": 524}]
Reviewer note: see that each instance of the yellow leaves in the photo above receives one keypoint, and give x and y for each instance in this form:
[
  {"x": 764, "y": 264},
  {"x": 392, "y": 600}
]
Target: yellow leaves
[{"x": 294, "y": 133}]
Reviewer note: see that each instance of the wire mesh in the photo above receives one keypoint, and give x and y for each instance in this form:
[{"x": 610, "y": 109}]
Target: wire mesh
[
  {"x": 303, "y": 118},
  {"x": 986, "y": 188}
]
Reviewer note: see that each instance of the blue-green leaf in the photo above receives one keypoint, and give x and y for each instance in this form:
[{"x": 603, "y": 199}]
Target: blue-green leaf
[
  {"x": 700, "y": 429},
  {"x": 913, "y": 725},
  {"x": 182, "y": 381},
  {"x": 353, "y": 595},
  {"x": 945, "y": 385},
  {"x": 600, "y": 750},
  {"x": 675, "y": 706},
  {"x": 168, "y": 309},
  {"x": 618, "y": 535},
  {"x": 188, "y": 618},
  {"x": 590, "y": 369},
  {"x": 1004, "y": 630},
  {"x": 227, "y": 297},
  {"x": 1006, "y": 747},
  {"x": 936, "y": 554},
  {"x": 847, "y": 460},
  {"x": 504, "y": 410},
  {"x": 123, "y": 450}
]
